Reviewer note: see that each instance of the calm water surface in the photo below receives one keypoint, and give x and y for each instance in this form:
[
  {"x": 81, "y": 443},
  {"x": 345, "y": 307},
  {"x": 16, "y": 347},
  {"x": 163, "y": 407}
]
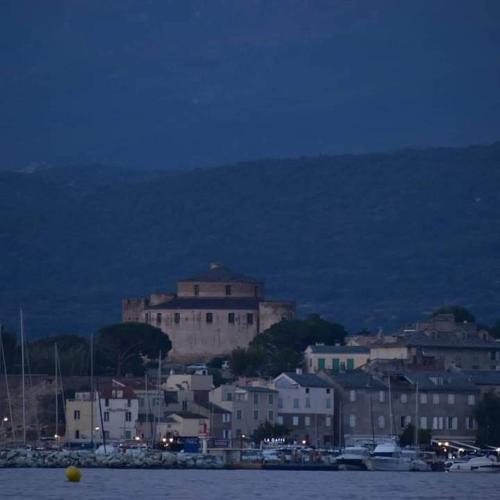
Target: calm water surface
[{"x": 234, "y": 485}]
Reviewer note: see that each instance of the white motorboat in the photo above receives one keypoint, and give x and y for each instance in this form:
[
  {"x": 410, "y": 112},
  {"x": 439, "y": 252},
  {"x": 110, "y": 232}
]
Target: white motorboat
[
  {"x": 476, "y": 464},
  {"x": 353, "y": 458},
  {"x": 390, "y": 457}
]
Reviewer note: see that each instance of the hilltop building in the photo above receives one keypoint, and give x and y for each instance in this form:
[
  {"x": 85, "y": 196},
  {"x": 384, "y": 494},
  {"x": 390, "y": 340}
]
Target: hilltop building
[{"x": 211, "y": 314}]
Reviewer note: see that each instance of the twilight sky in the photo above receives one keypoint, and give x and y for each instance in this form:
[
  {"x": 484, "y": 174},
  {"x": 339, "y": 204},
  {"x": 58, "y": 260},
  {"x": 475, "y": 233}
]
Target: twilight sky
[{"x": 185, "y": 83}]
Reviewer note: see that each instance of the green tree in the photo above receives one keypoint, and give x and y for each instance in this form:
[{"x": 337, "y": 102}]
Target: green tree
[
  {"x": 495, "y": 330},
  {"x": 407, "y": 437},
  {"x": 10, "y": 351},
  {"x": 487, "y": 414},
  {"x": 281, "y": 347},
  {"x": 73, "y": 352},
  {"x": 460, "y": 313},
  {"x": 122, "y": 347},
  {"x": 247, "y": 362},
  {"x": 269, "y": 431}
]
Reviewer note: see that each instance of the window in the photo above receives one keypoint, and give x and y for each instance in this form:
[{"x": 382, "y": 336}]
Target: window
[
  {"x": 321, "y": 363},
  {"x": 106, "y": 434},
  {"x": 230, "y": 318},
  {"x": 435, "y": 399},
  {"x": 147, "y": 317},
  {"x": 308, "y": 402},
  {"x": 451, "y": 399},
  {"x": 328, "y": 421},
  {"x": 381, "y": 421},
  {"x": 452, "y": 423},
  {"x": 307, "y": 421},
  {"x": 76, "y": 414},
  {"x": 423, "y": 398},
  {"x": 295, "y": 403},
  {"x": 256, "y": 414},
  {"x": 249, "y": 319},
  {"x": 129, "y": 403},
  {"x": 270, "y": 415},
  {"x": 226, "y": 418},
  {"x": 335, "y": 364},
  {"x": 403, "y": 398},
  {"x": 279, "y": 419},
  {"x": 404, "y": 420},
  {"x": 128, "y": 434},
  {"x": 328, "y": 403},
  {"x": 177, "y": 318},
  {"x": 350, "y": 364},
  {"x": 328, "y": 391},
  {"x": 352, "y": 421},
  {"x": 228, "y": 289},
  {"x": 295, "y": 420},
  {"x": 255, "y": 399},
  {"x": 229, "y": 396},
  {"x": 196, "y": 290},
  {"x": 77, "y": 434},
  {"x": 437, "y": 423},
  {"x": 128, "y": 416},
  {"x": 256, "y": 291},
  {"x": 381, "y": 396},
  {"x": 493, "y": 355},
  {"x": 471, "y": 399},
  {"x": 209, "y": 317},
  {"x": 280, "y": 403},
  {"x": 238, "y": 414},
  {"x": 307, "y": 390},
  {"x": 270, "y": 399},
  {"x": 352, "y": 395},
  {"x": 106, "y": 416},
  {"x": 470, "y": 423},
  {"x": 423, "y": 422},
  {"x": 106, "y": 402}
]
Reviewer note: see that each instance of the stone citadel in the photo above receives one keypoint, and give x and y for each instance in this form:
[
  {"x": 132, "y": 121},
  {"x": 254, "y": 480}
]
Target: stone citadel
[{"x": 210, "y": 315}]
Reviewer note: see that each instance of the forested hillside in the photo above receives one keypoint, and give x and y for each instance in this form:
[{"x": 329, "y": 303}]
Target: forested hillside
[{"x": 369, "y": 241}]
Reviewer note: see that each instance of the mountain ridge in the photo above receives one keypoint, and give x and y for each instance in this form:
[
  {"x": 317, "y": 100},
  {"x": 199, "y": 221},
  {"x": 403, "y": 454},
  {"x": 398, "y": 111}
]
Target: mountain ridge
[{"x": 368, "y": 240}]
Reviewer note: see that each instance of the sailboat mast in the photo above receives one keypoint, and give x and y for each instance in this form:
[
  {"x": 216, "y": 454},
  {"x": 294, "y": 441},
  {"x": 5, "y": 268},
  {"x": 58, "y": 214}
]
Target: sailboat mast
[
  {"x": 56, "y": 435},
  {"x": 92, "y": 390},
  {"x": 390, "y": 409},
  {"x": 23, "y": 395},
  {"x": 7, "y": 389},
  {"x": 416, "y": 415}
]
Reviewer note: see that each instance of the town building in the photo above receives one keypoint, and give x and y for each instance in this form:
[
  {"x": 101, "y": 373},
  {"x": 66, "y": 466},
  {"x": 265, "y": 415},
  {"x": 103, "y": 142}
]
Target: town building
[
  {"x": 320, "y": 357},
  {"x": 439, "y": 340},
  {"x": 112, "y": 415},
  {"x": 306, "y": 407},
  {"x": 250, "y": 406},
  {"x": 371, "y": 408},
  {"x": 211, "y": 314},
  {"x": 361, "y": 404}
]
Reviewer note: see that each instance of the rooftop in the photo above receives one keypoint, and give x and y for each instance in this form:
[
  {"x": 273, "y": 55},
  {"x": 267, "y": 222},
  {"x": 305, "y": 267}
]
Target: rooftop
[
  {"x": 209, "y": 303},
  {"x": 338, "y": 349},
  {"x": 483, "y": 377},
  {"x": 219, "y": 273},
  {"x": 357, "y": 379},
  {"x": 450, "y": 341},
  {"x": 308, "y": 379}
]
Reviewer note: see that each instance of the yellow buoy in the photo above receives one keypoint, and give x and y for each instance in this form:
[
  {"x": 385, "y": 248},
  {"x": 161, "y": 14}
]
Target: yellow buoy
[{"x": 73, "y": 474}]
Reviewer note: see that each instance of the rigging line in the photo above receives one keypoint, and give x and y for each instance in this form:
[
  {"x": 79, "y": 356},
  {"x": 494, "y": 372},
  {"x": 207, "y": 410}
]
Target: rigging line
[
  {"x": 30, "y": 381},
  {"x": 59, "y": 372},
  {"x": 7, "y": 389}
]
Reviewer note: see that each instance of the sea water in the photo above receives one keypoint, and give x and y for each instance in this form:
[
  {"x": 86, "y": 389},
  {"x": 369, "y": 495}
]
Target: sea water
[{"x": 105, "y": 484}]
